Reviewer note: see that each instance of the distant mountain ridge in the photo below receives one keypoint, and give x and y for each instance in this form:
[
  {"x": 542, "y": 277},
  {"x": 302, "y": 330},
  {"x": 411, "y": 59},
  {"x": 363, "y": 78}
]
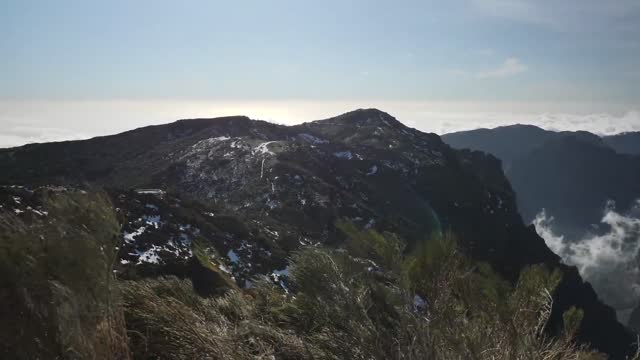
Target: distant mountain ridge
[
  {"x": 624, "y": 143},
  {"x": 578, "y": 178},
  {"x": 512, "y": 142},
  {"x": 570, "y": 174},
  {"x": 297, "y": 181}
]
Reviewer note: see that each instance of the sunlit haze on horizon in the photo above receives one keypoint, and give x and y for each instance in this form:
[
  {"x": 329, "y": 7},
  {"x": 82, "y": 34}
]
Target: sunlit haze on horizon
[
  {"x": 42, "y": 121},
  {"x": 76, "y": 69}
]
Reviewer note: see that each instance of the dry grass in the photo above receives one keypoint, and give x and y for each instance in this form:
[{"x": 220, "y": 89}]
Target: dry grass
[
  {"x": 63, "y": 302},
  {"x": 58, "y": 298},
  {"x": 167, "y": 320},
  {"x": 342, "y": 309}
]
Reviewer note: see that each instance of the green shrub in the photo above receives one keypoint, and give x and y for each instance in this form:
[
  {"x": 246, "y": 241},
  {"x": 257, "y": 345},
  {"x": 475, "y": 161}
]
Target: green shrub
[
  {"x": 383, "y": 249},
  {"x": 347, "y": 310},
  {"x": 343, "y": 307}
]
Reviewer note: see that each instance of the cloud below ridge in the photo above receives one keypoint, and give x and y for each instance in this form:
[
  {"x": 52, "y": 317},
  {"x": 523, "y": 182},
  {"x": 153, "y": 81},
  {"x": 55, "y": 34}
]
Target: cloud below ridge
[
  {"x": 610, "y": 261},
  {"x": 40, "y": 121}
]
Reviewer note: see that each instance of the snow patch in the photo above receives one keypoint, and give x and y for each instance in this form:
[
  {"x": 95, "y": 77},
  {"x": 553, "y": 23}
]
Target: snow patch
[
  {"x": 272, "y": 204},
  {"x": 313, "y": 139},
  {"x": 272, "y": 232},
  {"x": 283, "y": 272},
  {"x": 344, "y": 155},
  {"x": 202, "y": 144},
  {"x": 263, "y": 148},
  {"x": 153, "y": 220},
  {"x": 225, "y": 269},
  {"x": 37, "y": 212},
  {"x": 150, "y": 256},
  {"x": 278, "y": 275},
  {"x": 233, "y": 257},
  {"x": 150, "y": 191},
  {"x": 370, "y": 224},
  {"x": 130, "y": 237}
]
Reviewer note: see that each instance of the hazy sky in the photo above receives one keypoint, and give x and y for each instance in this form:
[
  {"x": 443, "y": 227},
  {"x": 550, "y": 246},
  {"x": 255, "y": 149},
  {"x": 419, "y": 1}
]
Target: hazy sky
[{"x": 82, "y": 68}]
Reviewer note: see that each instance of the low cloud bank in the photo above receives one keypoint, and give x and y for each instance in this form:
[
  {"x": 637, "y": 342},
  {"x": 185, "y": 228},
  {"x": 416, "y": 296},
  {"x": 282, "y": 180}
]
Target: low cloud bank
[
  {"x": 37, "y": 121},
  {"x": 610, "y": 260},
  {"x": 18, "y": 135}
]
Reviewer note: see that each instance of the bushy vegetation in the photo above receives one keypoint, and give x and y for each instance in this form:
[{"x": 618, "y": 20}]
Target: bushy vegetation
[
  {"x": 58, "y": 298},
  {"x": 370, "y": 299},
  {"x": 367, "y": 301}
]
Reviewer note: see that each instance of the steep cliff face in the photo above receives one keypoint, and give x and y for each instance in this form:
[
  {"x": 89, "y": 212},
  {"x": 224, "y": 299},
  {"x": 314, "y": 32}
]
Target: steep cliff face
[
  {"x": 287, "y": 186},
  {"x": 573, "y": 180},
  {"x": 570, "y": 174},
  {"x": 572, "y": 185}
]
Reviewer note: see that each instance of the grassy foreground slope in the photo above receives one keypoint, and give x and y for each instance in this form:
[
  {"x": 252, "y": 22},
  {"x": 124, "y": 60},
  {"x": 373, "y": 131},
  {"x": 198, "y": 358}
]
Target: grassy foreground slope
[
  {"x": 59, "y": 299},
  {"x": 369, "y": 299}
]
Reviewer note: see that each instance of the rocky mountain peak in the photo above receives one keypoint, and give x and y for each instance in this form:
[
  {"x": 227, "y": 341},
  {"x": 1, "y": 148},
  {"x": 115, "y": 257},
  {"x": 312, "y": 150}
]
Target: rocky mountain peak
[
  {"x": 233, "y": 126},
  {"x": 362, "y": 119},
  {"x": 291, "y": 184},
  {"x": 371, "y": 128}
]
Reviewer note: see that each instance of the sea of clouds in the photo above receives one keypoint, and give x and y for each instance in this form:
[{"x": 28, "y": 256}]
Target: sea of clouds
[
  {"x": 41, "y": 121},
  {"x": 609, "y": 260}
]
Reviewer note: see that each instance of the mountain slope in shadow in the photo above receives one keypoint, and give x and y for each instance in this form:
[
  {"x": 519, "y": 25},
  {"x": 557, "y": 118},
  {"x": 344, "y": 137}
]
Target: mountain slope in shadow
[{"x": 297, "y": 181}]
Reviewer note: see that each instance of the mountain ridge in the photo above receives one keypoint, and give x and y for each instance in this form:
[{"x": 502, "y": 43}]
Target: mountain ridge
[
  {"x": 574, "y": 181},
  {"x": 528, "y": 153},
  {"x": 364, "y": 166}
]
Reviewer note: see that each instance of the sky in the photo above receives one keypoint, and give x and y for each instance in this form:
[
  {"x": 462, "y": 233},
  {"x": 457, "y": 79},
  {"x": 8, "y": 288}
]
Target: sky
[{"x": 75, "y": 69}]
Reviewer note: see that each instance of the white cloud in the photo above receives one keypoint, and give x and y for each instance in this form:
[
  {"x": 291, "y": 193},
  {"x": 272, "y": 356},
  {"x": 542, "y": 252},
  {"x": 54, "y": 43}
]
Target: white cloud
[
  {"x": 609, "y": 260},
  {"x": 510, "y": 67},
  {"x": 28, "y": 121},
  {"x": 16, "y": 135}
]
